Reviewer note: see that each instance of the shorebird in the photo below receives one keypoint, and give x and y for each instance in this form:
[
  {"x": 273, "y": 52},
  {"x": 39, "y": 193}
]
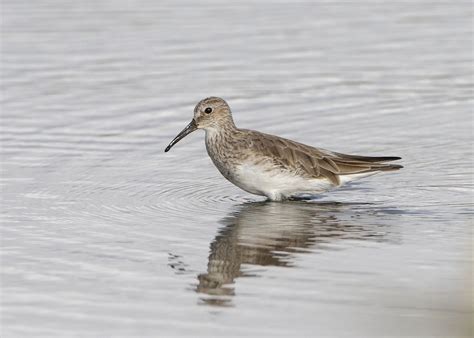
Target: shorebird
[{"x": 273, "y": 166}]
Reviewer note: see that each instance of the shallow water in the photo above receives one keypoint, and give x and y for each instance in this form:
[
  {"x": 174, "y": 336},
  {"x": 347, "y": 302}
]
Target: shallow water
[{"x": 103, "y": 234}]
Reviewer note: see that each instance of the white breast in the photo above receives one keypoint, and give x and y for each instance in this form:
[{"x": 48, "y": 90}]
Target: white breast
[{"x": 276, "y": 183}]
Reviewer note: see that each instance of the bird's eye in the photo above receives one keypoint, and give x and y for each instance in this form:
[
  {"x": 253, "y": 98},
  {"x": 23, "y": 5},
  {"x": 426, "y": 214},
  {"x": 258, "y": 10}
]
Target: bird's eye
[{"x": 208, "y": 110}]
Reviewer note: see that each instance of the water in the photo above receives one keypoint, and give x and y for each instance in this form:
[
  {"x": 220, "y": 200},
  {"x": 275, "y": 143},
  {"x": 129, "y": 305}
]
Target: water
[{"x": 103, "y": 234}]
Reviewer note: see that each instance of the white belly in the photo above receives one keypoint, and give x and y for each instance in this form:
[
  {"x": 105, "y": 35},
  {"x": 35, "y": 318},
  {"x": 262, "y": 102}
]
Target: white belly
[{"x": 276, "y": 183}]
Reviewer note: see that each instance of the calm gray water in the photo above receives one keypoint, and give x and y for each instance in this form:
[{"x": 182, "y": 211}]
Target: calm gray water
[{"x": 105, "y": 235}]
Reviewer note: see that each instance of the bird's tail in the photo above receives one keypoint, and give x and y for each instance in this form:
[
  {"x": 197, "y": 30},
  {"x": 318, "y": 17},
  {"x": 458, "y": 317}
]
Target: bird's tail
[
  {"x": 354, "y": 164},
  {"x": 389, "y": 167},
  {"x": 369, "y": 158}
]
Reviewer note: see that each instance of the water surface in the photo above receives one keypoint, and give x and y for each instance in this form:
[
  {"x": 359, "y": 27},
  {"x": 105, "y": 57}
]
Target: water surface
[{"x": 103, "y": 234}]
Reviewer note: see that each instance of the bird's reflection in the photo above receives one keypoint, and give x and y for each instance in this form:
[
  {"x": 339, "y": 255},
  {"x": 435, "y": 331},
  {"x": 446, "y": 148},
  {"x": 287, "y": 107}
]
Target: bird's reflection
[{"x": 268, "y": 233}]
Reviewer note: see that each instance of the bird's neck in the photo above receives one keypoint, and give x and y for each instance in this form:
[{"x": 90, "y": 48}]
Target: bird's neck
[
  {"x": 219, "y": 138},
  {"x": 219, "y": 146},
  {"x": 220, "y": 133}
]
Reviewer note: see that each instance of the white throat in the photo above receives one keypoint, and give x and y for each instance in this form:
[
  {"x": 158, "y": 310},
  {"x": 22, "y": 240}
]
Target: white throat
[{"x": 211, "y": 133}]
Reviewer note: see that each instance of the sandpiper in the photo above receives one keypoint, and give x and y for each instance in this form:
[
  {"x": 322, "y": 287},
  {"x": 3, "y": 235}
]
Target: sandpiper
[{"x": 273, "y": 166}]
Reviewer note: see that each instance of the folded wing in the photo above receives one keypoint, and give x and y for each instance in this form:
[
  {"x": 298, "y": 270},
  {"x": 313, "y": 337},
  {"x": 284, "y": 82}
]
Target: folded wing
[{"x": 315, "y": 162}]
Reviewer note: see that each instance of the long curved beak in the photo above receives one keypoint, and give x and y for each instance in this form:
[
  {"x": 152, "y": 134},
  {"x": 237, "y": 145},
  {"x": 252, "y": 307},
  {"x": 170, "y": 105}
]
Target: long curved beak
[{"x": 187, "y": 130}]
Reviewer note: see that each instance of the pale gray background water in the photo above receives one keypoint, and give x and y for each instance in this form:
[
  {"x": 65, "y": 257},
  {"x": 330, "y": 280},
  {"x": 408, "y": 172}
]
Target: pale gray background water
[{"x": 105, "y": 235}]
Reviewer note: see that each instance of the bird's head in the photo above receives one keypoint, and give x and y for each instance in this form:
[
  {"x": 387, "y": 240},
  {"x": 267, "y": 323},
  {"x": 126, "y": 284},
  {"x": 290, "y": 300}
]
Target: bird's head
[{"x": 210, "y": 114}]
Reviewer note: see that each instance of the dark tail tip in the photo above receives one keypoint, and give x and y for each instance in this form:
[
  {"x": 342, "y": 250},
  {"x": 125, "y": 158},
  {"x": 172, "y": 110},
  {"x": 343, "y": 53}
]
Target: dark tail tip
[
  {"x": 390, "y": 158},
  {"x": 391, "y": 167},
  {"x": 373, "y": 159},
  {"x": 383, "y": 158}
]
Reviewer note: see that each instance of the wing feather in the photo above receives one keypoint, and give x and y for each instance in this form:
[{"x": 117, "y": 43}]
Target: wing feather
[{"x": 314, "y": 162}]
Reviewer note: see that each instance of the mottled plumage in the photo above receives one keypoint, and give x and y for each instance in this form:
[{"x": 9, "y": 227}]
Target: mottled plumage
[{"x": 272, "y": 166}]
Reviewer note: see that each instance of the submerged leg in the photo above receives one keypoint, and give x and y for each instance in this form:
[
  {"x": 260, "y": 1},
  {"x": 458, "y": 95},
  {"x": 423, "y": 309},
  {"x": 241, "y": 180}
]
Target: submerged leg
[
  {"x": 300, "y": 198},
  {"x": 275, "y": 196}
]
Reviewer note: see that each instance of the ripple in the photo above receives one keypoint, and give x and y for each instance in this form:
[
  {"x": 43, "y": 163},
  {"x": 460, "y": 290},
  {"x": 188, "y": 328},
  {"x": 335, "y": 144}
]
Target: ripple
[{"x": 91, "y": 208}]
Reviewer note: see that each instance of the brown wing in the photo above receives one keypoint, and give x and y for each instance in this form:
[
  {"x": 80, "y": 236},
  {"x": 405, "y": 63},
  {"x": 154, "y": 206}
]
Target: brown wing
[{"x": 315, "y": 162}]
